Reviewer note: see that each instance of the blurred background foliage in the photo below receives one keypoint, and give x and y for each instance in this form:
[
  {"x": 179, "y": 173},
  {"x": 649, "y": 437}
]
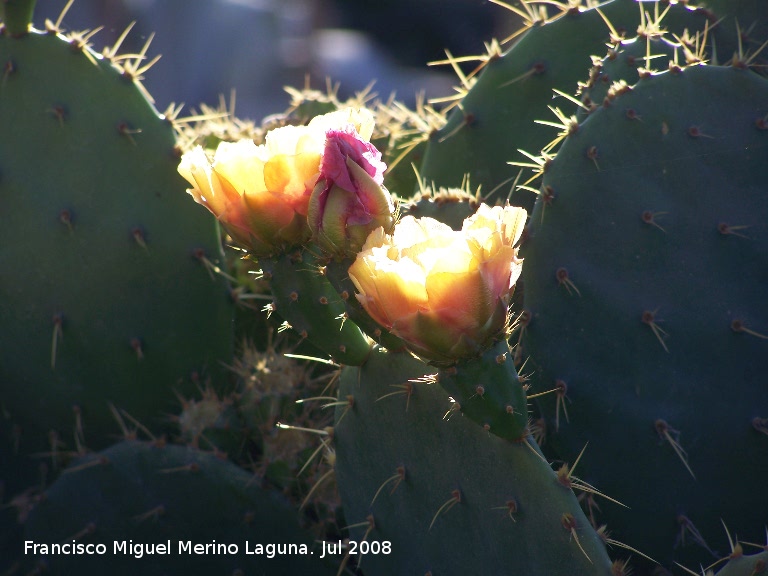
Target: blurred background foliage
[{"x": 256, "y": 47}]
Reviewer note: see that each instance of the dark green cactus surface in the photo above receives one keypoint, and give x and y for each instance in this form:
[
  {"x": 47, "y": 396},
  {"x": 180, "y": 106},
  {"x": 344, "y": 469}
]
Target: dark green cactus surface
[
  {"x": 645, "y": 280},
  {"x": 742, "y": 28},
  {"x": 16, "y": 15},
  {"x": 150, "y": 494}
]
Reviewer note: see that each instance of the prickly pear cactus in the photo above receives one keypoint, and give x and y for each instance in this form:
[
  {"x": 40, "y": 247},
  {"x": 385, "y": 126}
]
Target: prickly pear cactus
[
  {"x": 447, "y": 205},
  {"x": 746, "y": 565},
  {"x": 108, "y": 293},
  {"x": 644, "y": 268},
  {"x": 644, "y": 273},
  {"x": 498, "y": 113},
  {"x": 136, "y": 496}
]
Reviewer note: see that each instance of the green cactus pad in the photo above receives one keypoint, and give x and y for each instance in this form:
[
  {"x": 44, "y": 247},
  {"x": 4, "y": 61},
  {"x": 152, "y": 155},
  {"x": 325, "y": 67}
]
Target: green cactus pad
[
  {"x": 449, "y": 497},
  {"x": 106, "y": 295},
  {"x": 645, "y": 274},
  {"x": 626, "y": 62},
  {"x": 489, "y": 392},
  {"x": 497, "y": 116}
]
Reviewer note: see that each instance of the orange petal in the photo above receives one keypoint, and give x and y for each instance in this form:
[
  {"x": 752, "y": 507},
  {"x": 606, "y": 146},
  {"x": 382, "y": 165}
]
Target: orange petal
[
  {"x": 229, "y": 203},
  {"x": 293, "y": 177},
  {"x": 268, "y": 213},
  {"x": 461, "y": 300}
]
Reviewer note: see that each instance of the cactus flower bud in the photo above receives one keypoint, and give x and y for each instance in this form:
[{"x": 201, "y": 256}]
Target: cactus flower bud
[
  {"x": 261, "y": 194},
  {"x": 444, "y": 292},
  {"x": 349, "y": 200}
]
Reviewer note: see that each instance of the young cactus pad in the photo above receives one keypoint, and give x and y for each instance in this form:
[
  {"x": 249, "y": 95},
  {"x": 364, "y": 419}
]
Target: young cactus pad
[
  {"x": 107, "y": 290},
  {"x": 307, "y": 300}
]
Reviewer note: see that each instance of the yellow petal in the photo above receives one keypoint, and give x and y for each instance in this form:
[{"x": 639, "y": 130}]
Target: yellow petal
[
  {"x": 395, "y": 287},
  {"x": 447, "y": 255},
  {"x": 290, "y": 140},
  {"x": 497, "y": 271},
  {"x": 293, "y": 177},
  {"x": 361, "y": 118},
  {"x": 195, "y": 167}
]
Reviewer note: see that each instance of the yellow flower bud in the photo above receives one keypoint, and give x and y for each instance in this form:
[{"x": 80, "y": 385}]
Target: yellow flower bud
[{"x": 442, "y": 291}]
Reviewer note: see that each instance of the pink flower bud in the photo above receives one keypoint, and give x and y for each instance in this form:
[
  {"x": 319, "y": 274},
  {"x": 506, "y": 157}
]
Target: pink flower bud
[
  {"x": 349, "y": 200},
  {"x": 344, "y": 145}
]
